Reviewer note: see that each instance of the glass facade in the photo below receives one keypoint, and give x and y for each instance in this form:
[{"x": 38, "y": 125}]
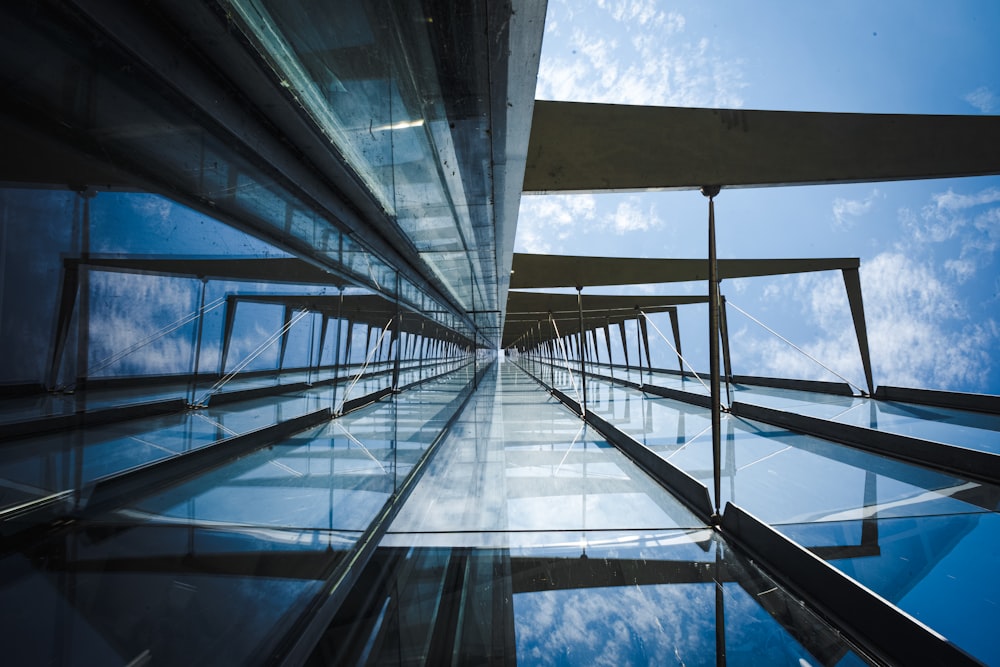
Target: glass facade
[{"x": 254, "y": 273}]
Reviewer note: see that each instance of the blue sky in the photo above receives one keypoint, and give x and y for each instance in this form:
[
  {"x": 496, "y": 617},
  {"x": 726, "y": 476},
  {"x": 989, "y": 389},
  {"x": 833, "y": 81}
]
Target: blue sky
[{"x": 928, "y": 248}]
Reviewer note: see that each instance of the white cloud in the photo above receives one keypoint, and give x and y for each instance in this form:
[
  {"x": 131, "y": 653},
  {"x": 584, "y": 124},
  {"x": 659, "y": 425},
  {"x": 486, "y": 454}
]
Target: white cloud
[
  {"x": 960, "y": 269},
  {"x": 983, "y": 99},
  {"x": 970, "y": 220},
  {"x": 656, "y": 65},
  {"x": 151, "y": 206},
  {"x": 126, "y": 308},
  {"x": 631, "y": 217},
  {"x": 846, "y": 211},
  {"x": 544, "y": 220},
  {"x": 642, "y": 12},
  {"x": 918, "y": 330},
  {"x": 952, "y": 201}
]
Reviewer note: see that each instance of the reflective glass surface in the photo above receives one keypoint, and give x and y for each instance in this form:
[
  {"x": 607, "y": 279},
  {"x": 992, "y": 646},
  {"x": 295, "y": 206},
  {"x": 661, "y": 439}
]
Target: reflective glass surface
[
  {"x": 922, "y": 539},
  {"x": 518, "y": 460},
  {"x": 370, "y": 77},
  {"x": 218, "y": 568},
  {"x": 530, "y": 540},
  {"x": 664, "y": 598},
  {"x": 937, "y": 568},
  {"x": 963, "y": 428}
]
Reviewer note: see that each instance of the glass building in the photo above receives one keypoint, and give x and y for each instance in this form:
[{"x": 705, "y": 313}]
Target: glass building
[{"x": 256, "y": 262}]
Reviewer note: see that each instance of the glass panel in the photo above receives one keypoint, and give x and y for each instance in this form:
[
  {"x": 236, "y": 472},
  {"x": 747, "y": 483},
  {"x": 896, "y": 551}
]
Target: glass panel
[
  {"x": 158, "y": 594},
  {"x": 660, "y": 598},
  {"x": 518, "y": 460},
  {"x": 955, "y": 427},
  {"x": 940, "y": 569}
]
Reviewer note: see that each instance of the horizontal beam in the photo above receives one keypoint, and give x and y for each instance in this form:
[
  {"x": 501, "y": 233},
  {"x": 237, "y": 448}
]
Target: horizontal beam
[
  {"x": 815, "y": 386},
  {"x": 362, "y": 401},
  {"x": 578, "y": 147},
  {"x": 85, "y": 419},
  {"x": 543, "y": 303},
  {"x": 222, "y": 398},
  {"x": 263, "y": 270},
  {"x": 966, "y": 463},
  {"x": 139, "y": 482},
  {"x": 690, "y": 491},
  {"x": 547, "y": 271},
  {"x": 943, "y": 399}
]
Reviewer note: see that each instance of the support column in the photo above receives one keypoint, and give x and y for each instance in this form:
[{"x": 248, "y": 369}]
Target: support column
[
  {"x": 621, "y": 330},
  {"x": 644, "y": 329},
  {"x": 312, "y": 344},
  {"x": 676, "y": 328},
  {"x": 83, "y": 305},
  {"x": 852, "y": 281},
  {"x": 336, "y": 351},
  {"x": 67, "y": 301},
  {"x": 727, "y": 363},
  {"x": 553, "y": 353},
  {"x": 713, "y": 348},
  {"x": 398, "y": 335},
  {"x": 284, "y": 338},
  {"x": 607, "y": 340},
  {"x": 196, "y": 362},
  {"x": 583, "y": 354},
  {"x": 227, "y": 332},
  {"x": 324, "y": 326},
  {"x": 638, "y": 346},
  {"x": 418, "y": 345},
  {"x": 348, "y": 342}
]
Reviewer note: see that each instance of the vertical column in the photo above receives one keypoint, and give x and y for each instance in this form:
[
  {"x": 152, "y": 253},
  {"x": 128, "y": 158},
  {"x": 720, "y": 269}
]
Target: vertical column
[
  {"x": 607, "y": 340},
  {"x": 227, "y": 332},
  {"x": 398, "y": 336},
  {"x": 644, "y": 330},
  {"x": 67, "y": 300},
  {"x": 196, "y": 362},
  {"x": 312, "y": 344},
  {"x": 336, "y": 350},
  {"x": 852, "y": 281},
  {"x": 713, "y": 347},
  {"x": 418, "y": 346},
  {"x": 621, "y": 331},
  {"x": 676, "y": 328},
  {"x": 284, "y": 338},
  {"x": 727, "y": 363},
  {"x": 323, "y": 328},
  {"x": 552, "y": 353},
  {"x": 638, "y": 346},
  {"x": 583, "y": 354},
  {"x": 83, "y": 307}
]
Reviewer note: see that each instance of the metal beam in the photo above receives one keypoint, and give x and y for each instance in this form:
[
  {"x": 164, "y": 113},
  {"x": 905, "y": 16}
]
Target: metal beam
[
  {"x": 547, "y": 271},
  {"x": 144, "y": 480},
  {"x": 852, "y": 282},
  {"x": 576, "y": 147},
  {"x": 880, "y": 627},
  {"x": 713, "y": 351},
  {"x": 944, "y": 399},
  {"x": 675, "y": 327},
  {"x": 950, "y": 459},
  {"x": 22, "y": 429}
]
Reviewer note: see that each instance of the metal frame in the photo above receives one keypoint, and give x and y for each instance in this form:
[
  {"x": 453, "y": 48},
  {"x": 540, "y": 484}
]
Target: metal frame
[{"x": 885, "y": 631}]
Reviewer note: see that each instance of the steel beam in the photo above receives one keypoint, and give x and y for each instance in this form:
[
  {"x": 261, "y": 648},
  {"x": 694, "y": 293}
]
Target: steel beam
[
  {"x": 880, "y": 627},
  {"x": 577, "y": 147},
  {"x": 950, "y": 459}
]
